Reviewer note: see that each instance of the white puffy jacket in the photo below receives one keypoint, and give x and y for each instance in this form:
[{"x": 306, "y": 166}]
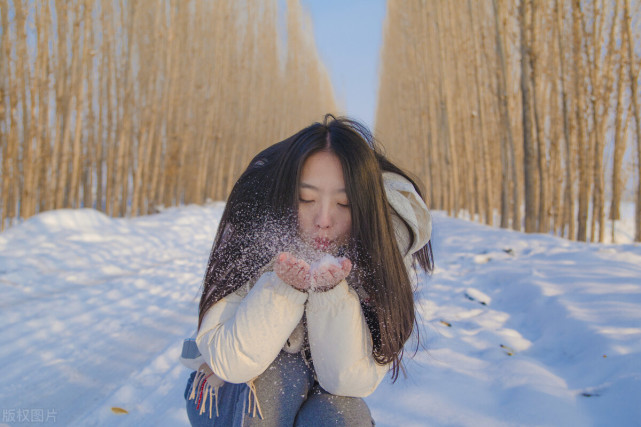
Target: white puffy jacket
[{"x": 242, "y": 334}]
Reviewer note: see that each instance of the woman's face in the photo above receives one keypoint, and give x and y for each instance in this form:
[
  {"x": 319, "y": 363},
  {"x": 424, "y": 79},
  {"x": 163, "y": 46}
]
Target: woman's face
[{"x": 324, "y": 213}]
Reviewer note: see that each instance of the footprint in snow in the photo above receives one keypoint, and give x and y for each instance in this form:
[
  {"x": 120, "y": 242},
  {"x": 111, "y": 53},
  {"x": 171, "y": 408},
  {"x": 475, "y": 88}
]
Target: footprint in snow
[{"x": 478, "y": 296}]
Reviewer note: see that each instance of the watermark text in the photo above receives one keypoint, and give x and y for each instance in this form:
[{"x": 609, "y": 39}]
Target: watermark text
[{"x": 29, "y": 415}]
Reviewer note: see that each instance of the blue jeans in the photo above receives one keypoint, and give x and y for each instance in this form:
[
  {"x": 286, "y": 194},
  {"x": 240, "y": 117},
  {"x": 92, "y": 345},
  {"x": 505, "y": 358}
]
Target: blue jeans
[{"x": 288, "y": 396}]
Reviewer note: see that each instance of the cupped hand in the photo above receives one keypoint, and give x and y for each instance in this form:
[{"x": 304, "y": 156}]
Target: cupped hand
[
  {"x": 326, "y": 277},
  {"x": 293, "y": 271}
]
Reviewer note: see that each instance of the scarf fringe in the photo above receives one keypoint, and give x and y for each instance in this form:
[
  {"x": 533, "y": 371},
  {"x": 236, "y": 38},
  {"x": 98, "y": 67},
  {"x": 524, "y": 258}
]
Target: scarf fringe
[
  {"x": 256, "y": 406},
  {"x": 201, "y": 388},
  {"x": 202, "y": 391}
]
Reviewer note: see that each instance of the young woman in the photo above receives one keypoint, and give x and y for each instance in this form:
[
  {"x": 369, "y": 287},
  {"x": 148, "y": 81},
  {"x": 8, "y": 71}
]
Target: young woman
[{"x": 307, "y": 300}]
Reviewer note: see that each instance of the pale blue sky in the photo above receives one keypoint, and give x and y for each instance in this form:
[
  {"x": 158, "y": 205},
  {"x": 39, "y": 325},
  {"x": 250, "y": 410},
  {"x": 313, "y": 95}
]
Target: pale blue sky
[{"x": 349, "y": 35}]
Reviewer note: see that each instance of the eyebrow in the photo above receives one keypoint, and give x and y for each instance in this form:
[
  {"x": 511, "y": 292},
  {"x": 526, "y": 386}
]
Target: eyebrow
[{"x": 311, "y": 187}]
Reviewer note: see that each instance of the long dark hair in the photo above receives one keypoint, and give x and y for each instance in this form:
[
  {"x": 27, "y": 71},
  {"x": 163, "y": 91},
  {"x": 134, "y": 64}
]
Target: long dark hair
[{"x": 266, "y": 197}]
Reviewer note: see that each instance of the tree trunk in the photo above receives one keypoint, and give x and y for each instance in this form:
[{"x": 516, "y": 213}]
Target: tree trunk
[
  {"x": 633, "y": 77},
  {"x": 77, "y": 152},
  {"x": 529, "y": 159},
  {"x": 538, "y": 52},
  {"x": 480, "y": 118},
  {"x": 619, "y": 143},
  {"x": 506, "y": 124},
  {"x": 445, "y": 124},
  {"x": 583, "y": 144}
]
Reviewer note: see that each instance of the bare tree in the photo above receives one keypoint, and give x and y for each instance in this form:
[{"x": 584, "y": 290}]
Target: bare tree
[
  {"x": 125, "y": 105},
  {"x": 529, "y": 159},
  {"x": 634, "y": 91},
  {"x": 619, "y": 141}
]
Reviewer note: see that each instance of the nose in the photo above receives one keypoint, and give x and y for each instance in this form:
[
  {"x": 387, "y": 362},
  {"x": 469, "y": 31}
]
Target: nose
[{"x": 323, "y": 217}]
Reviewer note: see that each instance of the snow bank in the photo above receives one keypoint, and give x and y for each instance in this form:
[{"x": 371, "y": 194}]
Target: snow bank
[{"x": 518, "y": 329}]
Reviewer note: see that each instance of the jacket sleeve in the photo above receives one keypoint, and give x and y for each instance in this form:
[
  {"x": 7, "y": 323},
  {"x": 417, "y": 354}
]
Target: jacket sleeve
[
  {"x": 240, "y": 337},
  {"x": 341, "y": 343}
]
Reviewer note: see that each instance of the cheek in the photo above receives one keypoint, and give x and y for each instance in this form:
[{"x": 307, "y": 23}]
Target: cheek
[
  {"x": 346, "y": 224},
  {"x": 303, "y": 221}
]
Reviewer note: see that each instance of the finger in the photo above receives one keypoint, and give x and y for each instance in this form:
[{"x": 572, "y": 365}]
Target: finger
[
  {"x": 291, "y": 260},
  {"x": 301, "y": 261},
  {"x": 284, "y": 273},
  {"x": 336, "y": 273},
  {"x": 303, "y": 274},
  {"x": 325, "y": 277},
  {"x": 297, "y": 267},
  {"x": 283, "y": 260},
  {"x": 346, "y": 265},
  {"x": 315, "y": 279},
  {"x": 283, "y": 264}
]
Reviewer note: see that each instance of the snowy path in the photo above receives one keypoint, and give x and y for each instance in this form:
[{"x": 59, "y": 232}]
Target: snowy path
[
  {"x": 519, "y": 329},
  {"x": 94, "y": 310}
]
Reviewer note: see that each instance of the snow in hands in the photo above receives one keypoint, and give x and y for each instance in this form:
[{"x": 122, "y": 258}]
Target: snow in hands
[
  {"x": 326, "y": 261},
  {"x": 327, "y": 265},
  {"x": 320, "y": 275}
]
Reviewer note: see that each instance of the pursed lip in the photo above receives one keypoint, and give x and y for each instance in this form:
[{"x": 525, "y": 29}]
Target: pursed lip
[{"x": 322, "y": 243}]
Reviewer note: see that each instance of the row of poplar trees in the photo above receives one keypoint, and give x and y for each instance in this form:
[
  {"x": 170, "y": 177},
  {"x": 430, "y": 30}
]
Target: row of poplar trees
[
  {"x": 525, "y": 108},
  {"x": 128, "y": 105}
]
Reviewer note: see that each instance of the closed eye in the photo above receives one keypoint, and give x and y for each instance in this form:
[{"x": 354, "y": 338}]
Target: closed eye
[{"x": 304, "y": 201}]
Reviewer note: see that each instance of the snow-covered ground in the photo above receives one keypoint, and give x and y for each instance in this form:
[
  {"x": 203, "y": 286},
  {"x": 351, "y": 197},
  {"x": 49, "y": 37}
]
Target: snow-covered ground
[
  {"x": 518, "y": 329},
  {"x": 619, "y": 231}
]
